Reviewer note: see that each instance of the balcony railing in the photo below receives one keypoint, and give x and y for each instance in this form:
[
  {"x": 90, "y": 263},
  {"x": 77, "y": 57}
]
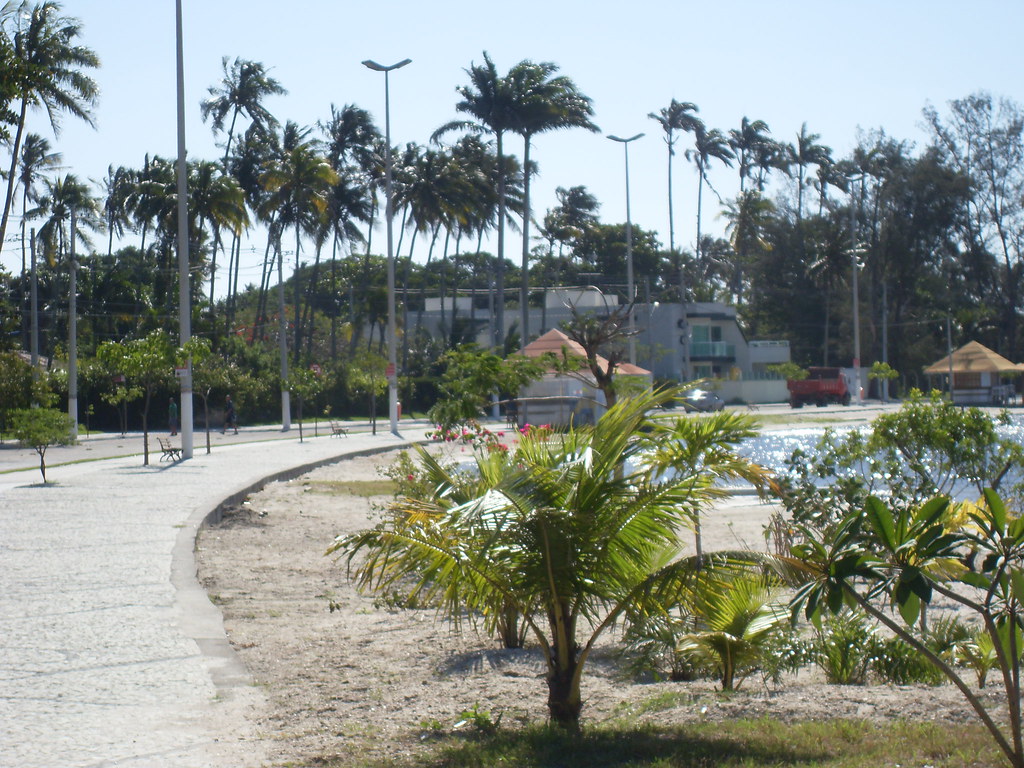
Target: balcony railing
[{"x": 713, "y": 349}]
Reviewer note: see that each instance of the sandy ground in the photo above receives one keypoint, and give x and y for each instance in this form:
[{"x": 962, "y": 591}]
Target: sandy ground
[{"x": 347, "y": 677}]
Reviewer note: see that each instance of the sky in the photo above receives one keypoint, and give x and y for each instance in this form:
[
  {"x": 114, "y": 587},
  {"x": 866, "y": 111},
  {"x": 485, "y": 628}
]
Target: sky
[{"x": 840, "y": 67}]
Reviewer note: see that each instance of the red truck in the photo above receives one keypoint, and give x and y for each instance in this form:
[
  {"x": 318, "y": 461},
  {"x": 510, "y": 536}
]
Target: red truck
[{"x": 821, "y": 387}]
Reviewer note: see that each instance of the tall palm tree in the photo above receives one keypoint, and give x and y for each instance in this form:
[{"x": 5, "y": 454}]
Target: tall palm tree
[
  {"x": 298, "y": 187},
  {"x": 677, "y": 116},
  {"x": 217, "y": 200},
  {"x": 36, "y": 157},
  {"x": 254, "y": 153},
  {"x": 117, "y": 189},
  {"x": 805, "y": 153},
  {"x": 242, "y": 91},
  {"x": 749, "y": 142},
  {"x": 543, "y": 103},
  {"x": 47, "y": 71},
  {"x": 748, "y": 218},
  {"x": 489, "y": 102},
  {"x": 64, "y": 197},
  {"x": 708, "y": 145}
]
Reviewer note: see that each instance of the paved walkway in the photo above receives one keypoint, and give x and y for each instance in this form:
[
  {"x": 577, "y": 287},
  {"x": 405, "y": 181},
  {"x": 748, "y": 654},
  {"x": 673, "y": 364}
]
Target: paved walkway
[{"x": 110, "y": 652}]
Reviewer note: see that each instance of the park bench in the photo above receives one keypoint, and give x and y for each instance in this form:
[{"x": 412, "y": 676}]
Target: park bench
[
  {"x": 338, "y": 430},
  {"x": 170, "y": 452}
]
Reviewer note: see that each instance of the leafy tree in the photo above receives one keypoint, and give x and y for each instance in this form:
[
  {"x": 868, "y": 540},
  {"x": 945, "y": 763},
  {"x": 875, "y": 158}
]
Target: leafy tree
[
  {"x": 366, "y": 377},
  {"x": 15, "y": 385},
  {"x": 602, "y": 340},
  {"x": 39, "y": 428},
  {"x": 927, "y": 448},
  {"x": 305, "y": 384},
  {"x": 573, "y": 533},
  {"x": 209, "y": 372},
  {"x": 146, "y": 363},
  {"x": 471, "y": 375},
  {"x": 883, "y": 557}
]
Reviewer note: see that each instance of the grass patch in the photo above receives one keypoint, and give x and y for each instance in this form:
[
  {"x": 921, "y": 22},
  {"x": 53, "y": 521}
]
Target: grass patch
[
  {"x": 733, "y": 744},
  {"x": 365, "y": 488}
]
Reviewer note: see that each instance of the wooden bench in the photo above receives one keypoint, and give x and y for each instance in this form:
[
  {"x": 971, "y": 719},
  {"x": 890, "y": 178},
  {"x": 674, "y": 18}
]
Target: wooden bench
[
  {"x": 170, "y": 452},
  {"x": 337, "y": 430}
]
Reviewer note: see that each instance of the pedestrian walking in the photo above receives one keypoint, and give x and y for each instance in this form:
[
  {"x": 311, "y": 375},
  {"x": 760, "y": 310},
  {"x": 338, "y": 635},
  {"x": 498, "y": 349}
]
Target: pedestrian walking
[{"x": 172, "y": 416}]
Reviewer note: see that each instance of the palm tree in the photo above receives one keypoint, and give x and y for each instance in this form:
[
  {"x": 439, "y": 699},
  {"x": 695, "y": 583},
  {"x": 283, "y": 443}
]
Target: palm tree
[
  {"x": 298, "y": 187},
  {"x": 47, "y": 71},
  {"x": 573, "y": 533},
  {"x": 35, "y": 158},
  {"x": 490, "y": 103},
  {"x": 707, "y": 145},
  {"x": 748, "y": 218},
  {"x": 242, "y": 91},
  {"x": 749, "y": 142},
  {"x": 215, "y": 199},
  {"x": 677, "y": 116},
  {"x": 64, "y": 197},
  {"x": 805, "y": 153},
  {"x": 543, "y": 103},
  {"x": 117, "y": 189}
]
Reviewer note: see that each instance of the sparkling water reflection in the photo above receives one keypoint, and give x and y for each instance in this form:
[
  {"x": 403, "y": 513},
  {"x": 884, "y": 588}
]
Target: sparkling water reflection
[{"x": 773, "y": 448}]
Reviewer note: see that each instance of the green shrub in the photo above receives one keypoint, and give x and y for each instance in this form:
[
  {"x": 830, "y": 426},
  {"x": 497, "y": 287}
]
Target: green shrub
[
  {"x": 896, "y": 661},
  {"x": 843, "y": 648}
]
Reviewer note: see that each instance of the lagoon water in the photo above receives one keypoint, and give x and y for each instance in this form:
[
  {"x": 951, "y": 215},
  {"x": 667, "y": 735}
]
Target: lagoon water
[{"x": 772, "y": 448}]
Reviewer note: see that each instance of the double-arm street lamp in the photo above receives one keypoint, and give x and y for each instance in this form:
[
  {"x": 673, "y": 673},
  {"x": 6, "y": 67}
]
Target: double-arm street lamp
[
  {"x": 630, "y": 287},
  {"x": 392, "y": 369}
]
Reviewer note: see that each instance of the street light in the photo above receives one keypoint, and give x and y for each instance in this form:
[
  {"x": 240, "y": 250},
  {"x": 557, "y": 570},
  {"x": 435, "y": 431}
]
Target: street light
[
  {"x": 855, "y": 252},
  {"x": 630, "y": 288},
  {"x": 392, "y": 370},
  {"x": 184, "y": 298}
]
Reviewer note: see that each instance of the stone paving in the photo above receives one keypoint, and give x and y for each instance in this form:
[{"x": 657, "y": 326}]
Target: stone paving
[{"x": 110, "y": 652}]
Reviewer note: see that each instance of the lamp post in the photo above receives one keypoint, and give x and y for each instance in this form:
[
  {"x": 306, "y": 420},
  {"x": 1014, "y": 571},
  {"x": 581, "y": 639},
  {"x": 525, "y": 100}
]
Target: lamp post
[
  {"x": 392, "y": 370},
  {"x": 184, "y": 297},
  {"x": 855, "y": 252},
  {"x": 630, "y": 288},
  {"x": 73, "y": 336}
]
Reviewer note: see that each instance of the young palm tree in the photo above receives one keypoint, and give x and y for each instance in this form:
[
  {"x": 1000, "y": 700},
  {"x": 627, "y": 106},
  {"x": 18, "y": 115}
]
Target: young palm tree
[
  {"x": 47, "y": 71},
  {"x": 573, "y": 533},
  {"x": 677, "y": 116},
  {"x": 544, "y": 103}
]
